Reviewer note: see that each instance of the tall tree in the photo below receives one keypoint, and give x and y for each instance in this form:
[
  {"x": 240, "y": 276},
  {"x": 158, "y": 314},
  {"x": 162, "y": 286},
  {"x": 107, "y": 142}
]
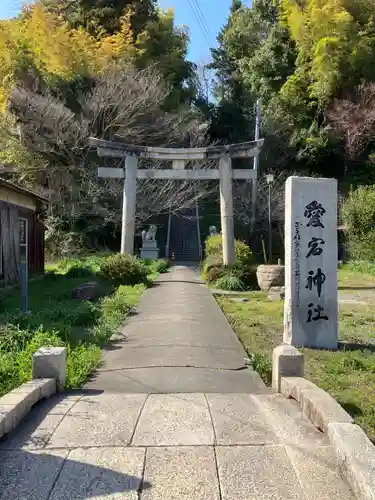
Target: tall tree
[{"x": 103, "y": 17}]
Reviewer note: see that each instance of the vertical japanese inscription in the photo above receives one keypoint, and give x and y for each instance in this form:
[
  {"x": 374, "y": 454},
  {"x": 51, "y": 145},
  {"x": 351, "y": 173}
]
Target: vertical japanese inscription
[
  {"x": 297, "y": 255},
  {"x": 314, "y": 212}
]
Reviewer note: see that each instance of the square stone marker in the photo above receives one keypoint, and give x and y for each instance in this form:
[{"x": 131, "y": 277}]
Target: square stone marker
[
  {"x": 318, "y": 474},
  {"x": 181, "y": 473},
  {"x": 101, "y": 473},
  {"x": 100, "y": 420},
  {"x": 32, "y": 433},
  {"x": 257, "y": 472},
  {"x": 289, "y": 423},
  {"x": 310, "y": 306},
  {"x": 174, "y": 419},
  {"x": 28, "y": 475},
  {"x": 238, "y": 420}
]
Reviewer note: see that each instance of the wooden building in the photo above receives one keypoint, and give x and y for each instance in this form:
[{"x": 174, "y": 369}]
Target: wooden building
[{"x": 21, "y": 231}]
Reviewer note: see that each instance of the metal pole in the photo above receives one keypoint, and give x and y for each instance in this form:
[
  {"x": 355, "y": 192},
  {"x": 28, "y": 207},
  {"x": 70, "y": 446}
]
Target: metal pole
[
  {"x": 24, "y": 282},
  {"x": 269, "y": 225},
  {"x": 255, "y": 168}
]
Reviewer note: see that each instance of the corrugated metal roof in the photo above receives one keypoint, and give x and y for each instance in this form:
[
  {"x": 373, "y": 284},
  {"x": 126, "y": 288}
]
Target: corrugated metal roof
[{"x": 23, "y": 190}]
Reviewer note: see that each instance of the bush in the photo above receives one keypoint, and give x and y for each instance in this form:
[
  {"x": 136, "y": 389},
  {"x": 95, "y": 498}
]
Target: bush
[
  {"x": 161, "y": 266},
  {"x": 79, "y": 272},
  {"x": 124, "y": 270},
  {"x": 215, "y": 273},
  {"x": 358, "y": 213},
  {"x": 248, "y": 276},
  {"x": 214, "y": 250},
  {"x": 229, "y": 281}
]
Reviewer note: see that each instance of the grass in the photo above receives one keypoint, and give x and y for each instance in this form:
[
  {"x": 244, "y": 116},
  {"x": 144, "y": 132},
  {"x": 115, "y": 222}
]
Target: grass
[
  {"x": 347, "y": 374},
  {"x": 55, "y": 319}
]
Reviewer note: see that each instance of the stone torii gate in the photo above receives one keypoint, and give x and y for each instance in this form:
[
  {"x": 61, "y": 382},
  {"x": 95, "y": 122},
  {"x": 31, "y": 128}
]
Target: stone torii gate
[{"x": 178, "y": 157}]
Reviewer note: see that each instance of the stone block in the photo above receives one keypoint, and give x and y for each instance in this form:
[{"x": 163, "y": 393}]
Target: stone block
[
  {"x": 149, "y": 253},
  {"x": 29, "y": 475},
  {"x": 257, "y": 473},
  {"x": 292, "y": 387},
  {"x": 276, "y": 293},
  {"x": 50, "y": 362},
  {"x": 355, "y": 455},
  {"x": 174, "y": 420},
  {"x": 321, "y": 409},
  {"x": 318, "y": 473},
  {"x": 17, "y": 403},
  {"x": 285, "y": 417},
  {"x": 311, "y": 305},
  {"x": 101, "y": 474},
  {"x": 87, "y": 291},
  {"x": 28, "y": 436},
  {"x": 287, "y": 361},
  {"x": 238, "y": 421},
  {"x": 15, "y": 406},
  {"x": 99, "y": 420},
  {"x": 181, "y": 473}
]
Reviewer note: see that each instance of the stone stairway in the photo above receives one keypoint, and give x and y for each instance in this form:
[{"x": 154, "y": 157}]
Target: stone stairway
[{"x": 184, "y": 239}]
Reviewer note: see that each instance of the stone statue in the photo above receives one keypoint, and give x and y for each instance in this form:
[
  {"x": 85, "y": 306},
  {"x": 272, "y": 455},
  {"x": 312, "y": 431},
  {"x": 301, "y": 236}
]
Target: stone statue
[
  {"x": 212, "y": 230},
  {"x": 150, "y": 235}
]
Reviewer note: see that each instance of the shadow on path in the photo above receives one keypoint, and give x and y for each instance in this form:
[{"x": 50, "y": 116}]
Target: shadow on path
[{"x": 56, "y": 474}]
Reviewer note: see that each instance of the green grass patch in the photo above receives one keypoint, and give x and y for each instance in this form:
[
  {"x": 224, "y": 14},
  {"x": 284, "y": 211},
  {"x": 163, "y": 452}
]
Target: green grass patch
[
  {"x": 56, "y": 319},
  {"x": 347, "y": 374}
]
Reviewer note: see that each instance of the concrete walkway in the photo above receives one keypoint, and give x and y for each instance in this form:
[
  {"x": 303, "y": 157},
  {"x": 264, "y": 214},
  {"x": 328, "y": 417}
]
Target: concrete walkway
[
  {"x": 179, "y": 341},
  {"x": 213, "y": 440}
]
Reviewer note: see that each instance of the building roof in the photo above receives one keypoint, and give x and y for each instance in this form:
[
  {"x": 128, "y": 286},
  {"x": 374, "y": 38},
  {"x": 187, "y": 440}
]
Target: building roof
[{"x": 23, "y": 190}]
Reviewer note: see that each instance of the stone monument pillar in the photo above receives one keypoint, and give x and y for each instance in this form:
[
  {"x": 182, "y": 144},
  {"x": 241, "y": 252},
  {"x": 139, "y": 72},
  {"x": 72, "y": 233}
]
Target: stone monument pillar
[
  {"x": 311, "y": 305},
  {"x": 149, "y": 250}
]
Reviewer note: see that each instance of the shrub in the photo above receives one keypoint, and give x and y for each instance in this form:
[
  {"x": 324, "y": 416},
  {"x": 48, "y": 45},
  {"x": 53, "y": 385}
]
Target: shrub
[
  {"x": 358, "y": 213},
  {"x": 229, "y": 281},
  {"x": 124, "y": 270},
  {"x": 79, "y": 272},
  {"x": 214, "y": 250},
  {"x": 215, "y": 273},
  {"x": 161, "y": 266},
  {"x": 248, "y": 276}
]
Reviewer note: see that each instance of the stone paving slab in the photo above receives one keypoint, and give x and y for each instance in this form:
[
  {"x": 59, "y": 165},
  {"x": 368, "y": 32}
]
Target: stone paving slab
[
  {"x": 238, "y": 420},
  {"x": 288, "y": 422},
  {"x": 178, "y": 380},
  {"x": 257, "y": 472},
  {"x": 101, "y": 474},
  {"x": 32, "y": 434},
  {"x": 317, "y": 471},
  {"x": 28, "y": 475},
  {"x": 99, "y": 420},
  {"x": 177, "y": 473},
  {"x": 174, "y": 420}
]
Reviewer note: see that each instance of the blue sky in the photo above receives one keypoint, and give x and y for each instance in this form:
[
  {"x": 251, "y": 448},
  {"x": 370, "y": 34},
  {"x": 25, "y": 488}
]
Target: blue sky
[{"x": 215, "y": 13}]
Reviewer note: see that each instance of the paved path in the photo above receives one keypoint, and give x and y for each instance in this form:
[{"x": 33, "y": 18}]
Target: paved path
[
  {"x": 208, "y": 442},
  {"x": 179, "y": 341}
]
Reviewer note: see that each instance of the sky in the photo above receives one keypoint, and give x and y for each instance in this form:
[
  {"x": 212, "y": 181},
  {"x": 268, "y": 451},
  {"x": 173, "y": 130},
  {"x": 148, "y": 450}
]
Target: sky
[{"x": 214, "y": 12}]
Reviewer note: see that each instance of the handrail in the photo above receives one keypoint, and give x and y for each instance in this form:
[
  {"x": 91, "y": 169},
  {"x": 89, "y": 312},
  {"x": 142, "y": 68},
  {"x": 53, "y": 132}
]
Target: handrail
[{"x": 168, "y": 236}]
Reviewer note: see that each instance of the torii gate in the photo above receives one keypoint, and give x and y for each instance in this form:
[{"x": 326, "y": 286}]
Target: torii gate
[{"x": 178, "y": 157}]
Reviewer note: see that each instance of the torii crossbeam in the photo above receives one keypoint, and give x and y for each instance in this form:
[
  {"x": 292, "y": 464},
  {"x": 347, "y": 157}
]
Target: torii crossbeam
[{"x": 178, "y": 157}]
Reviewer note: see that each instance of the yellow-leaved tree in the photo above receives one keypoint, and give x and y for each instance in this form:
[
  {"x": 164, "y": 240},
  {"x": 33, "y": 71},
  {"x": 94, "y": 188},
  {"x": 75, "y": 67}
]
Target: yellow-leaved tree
[{"x": 38, "y": 48}]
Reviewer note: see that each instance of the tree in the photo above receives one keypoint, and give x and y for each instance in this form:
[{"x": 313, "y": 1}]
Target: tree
[{"x": 103, "y": 17}]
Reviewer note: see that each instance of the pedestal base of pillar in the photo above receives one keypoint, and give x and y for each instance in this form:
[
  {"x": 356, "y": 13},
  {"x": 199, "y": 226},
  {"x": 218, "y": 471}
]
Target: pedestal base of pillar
[{"x": 149, "y": 253}]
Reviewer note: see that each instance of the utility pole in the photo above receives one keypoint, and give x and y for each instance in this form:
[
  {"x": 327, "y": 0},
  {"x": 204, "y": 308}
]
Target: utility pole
[{"x": 255, "y": 168}]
